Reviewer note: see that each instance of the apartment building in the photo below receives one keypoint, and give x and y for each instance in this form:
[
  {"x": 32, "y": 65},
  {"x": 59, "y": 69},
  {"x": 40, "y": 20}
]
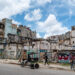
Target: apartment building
[
  {"x": 25, "y": 32},
  {"x": 2, "y": 39},
  {"x": 2, "y": 30},
  {"x": 73, "y": 36},
  {"x": 54, "y": 41},
  {"x": 41, "y": 46},
  {"x": 14, "y": 39}
]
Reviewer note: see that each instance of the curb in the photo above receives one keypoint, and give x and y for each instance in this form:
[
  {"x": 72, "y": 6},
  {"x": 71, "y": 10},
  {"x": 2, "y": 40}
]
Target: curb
[{"x": 56, "y": 68}]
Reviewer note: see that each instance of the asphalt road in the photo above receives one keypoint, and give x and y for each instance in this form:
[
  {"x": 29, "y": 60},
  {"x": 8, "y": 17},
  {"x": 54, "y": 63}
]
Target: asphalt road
[{"x": 8, "y": 69}]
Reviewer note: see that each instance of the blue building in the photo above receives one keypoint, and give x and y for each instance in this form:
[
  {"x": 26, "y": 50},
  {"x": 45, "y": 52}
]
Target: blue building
[{"x": 9, "y": 27}]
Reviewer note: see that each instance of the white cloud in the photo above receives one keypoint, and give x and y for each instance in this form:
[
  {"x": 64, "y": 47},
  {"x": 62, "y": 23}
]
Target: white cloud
[
  {"x": 9, "y": 8},
  {"x": 70, "y": 12},
  {"x": 51, "y": 26},
  {"x": 16, "y": 22},
  {"x": 29, "y": 25},
  {"x": 71, "y": 2},
  {"x": 43, "y": 1},
  {"x": 38, "y": 35},
  {"x": 34, "y": 15},
  {"x": 40, "y": 2}
]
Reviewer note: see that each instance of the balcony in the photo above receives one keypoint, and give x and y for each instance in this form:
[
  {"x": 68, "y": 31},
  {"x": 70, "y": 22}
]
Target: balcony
[
  {"x": 2, "y": 40},
  {"x": 1, "y": 31}
]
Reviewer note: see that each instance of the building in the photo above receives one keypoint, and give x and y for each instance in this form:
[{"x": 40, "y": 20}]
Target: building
[
  {"x": 25, "y": 32},
  {"x": 54, "y": 42},
  {"x": 67, "y": 39},
  {"x": 11, "y": 50},
  {"x": 14, "y": 39},
  {"x": 41, "y": 46},
  {"x": 54, "y": 46},
  {"x": 9, "y": 27},
  {"x": 14, "y": 29},
  {"x": 2, "y": 30},
  {"x": 2, "y": 40},
  {"x": 73, "y": 36},
  {"x": 63, "y": 45}
]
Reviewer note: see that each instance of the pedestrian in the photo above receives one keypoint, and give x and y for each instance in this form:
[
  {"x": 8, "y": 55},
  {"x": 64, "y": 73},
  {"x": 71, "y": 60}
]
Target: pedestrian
[
  {"x": 23, "y": 58},
  {"x": 46, "y": 58},
  {"x": 71, "y": 61}
]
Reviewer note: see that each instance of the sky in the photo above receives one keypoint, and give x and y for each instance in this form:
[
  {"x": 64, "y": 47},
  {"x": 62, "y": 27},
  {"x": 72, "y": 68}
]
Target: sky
[{"x": 46, "y": 17}]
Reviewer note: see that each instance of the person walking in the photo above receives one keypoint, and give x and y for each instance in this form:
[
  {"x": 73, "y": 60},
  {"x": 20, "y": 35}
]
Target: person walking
[
  {"x": 46, "y": 58},
  {"x": 71, "y": 61}
]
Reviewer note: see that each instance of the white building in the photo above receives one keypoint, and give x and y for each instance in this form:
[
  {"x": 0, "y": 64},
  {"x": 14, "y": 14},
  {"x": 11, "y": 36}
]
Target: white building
[
  {"x": 73, "y": 36},
  {"x": 41, "y": 45}
]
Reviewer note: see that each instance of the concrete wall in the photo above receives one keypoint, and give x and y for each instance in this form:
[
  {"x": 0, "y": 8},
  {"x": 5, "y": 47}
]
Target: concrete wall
[
  {"x": 11, "y": 51},
  {"x": 73, "y": 33},
  {"x": 41, "y": 45},
  {"x": 73, "y": 41},
  {"x": 33, "y": 34},
  {"x": 14, "y": 31},
  {"x": 73, "y": 37},
  {"x": 54, "y": 46},
  {"x": 67, "y": 35},
  {"x": 67, "y": 42}
]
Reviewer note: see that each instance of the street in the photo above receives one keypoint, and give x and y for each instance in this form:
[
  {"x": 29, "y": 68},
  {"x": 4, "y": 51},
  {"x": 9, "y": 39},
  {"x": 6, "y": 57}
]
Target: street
[{"x": 9, "y": 69}]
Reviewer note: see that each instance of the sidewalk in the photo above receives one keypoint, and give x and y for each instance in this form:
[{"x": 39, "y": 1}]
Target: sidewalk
[
  {"x": 52, "y": 65},
  {"x": 8, "y": 61},
  {"x": 56, "y": 66}
]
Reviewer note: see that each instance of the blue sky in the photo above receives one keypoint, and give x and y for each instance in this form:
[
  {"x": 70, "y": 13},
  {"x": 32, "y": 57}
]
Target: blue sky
[{"x": 47, "y": 17}]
